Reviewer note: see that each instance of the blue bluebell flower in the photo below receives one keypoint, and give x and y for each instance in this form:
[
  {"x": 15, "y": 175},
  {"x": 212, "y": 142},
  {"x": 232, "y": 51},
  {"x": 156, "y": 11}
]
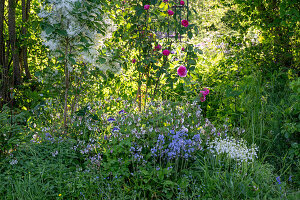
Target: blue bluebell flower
[{"x": 110, "y": 119}]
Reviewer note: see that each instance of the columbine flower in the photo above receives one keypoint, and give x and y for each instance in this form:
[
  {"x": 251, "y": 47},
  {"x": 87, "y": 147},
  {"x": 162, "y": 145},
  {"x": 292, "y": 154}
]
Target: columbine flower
[
  {"x": 170, "y": 12},
  {"x": 185, "y": 23},
  {"x": 182, "y": 3},
  {"x": 133, "y": 60},
  {"x": 146, "y": 7},
  {"x": 166, "y": 52},
  {"x": 182, "y": 71}
]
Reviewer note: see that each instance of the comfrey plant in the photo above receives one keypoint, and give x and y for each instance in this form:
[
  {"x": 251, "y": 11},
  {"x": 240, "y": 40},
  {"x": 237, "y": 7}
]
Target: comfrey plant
[{"x": 234, "y": 149}]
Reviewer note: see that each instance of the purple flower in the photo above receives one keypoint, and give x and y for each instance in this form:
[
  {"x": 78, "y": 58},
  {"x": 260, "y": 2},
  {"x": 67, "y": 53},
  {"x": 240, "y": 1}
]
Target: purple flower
[
  {"x": 115, "y": 129},
  {"x": 111, "y": 119},
  {"x": 121, "y": 112},
  {"x": 278, "y": 180}
]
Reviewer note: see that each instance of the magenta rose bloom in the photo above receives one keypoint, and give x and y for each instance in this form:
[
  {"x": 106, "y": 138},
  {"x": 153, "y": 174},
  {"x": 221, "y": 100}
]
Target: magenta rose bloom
[
  {"x": 133, "y": 60},
  {"x": 181, "y": 71},
  {"x": 182, "y": 3},
  {"x": 146, "y": 7},
  {"x": 166, "y": 52},
  {"x": 182, "y": 49},
  {"x": 202, "y": 99},
  {"x": 185, "y": 23},
  {"x": 170, "y": 12},
  {"x": 206, "y": 91},
  {"x": 158, "y": 47},
  {"x": 166, "y": 1}
]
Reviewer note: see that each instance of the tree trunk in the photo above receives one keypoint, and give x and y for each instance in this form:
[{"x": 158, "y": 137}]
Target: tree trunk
[
  {"x": 3, "y": 64},
  {"x": 25, "y": 15},
  {"x": 12, "y": 40}
]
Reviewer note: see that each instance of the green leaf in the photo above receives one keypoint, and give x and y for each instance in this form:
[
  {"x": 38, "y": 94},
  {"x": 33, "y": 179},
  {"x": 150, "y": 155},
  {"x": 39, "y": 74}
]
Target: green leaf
[
  {"x": 49, "y": 29},
  {"x": 191, "y": 62},
  {"x": 190, "y": 34},
  {"x": 102, "y": 60},
  {"x": 62, "y": 33}
]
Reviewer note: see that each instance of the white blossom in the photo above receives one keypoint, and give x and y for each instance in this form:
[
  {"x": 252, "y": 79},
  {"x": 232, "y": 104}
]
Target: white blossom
[{"x": 234, "y": 149}]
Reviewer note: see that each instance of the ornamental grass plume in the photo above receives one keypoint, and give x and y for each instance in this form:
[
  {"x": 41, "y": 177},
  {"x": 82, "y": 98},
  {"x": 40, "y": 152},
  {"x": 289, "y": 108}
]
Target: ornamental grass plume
[
  {"x": 185, "y": 23},
  {"x": 182, "y": 71},
  {"x": 166, "y": 52}
]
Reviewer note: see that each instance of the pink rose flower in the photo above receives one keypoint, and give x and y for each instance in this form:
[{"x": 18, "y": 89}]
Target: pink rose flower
[
  {"x": 170, "y": 12},
  {"x": 182, "y": 3},
  {"x": 203, "y": 94},
  {"x": 166, "y": 52},
  {"x": 202, "y": 99},
  {"x": 185, "y": 23},
  {"x": 181, "y": 71},
  {"x": 146, "y": 7},
  {"x": 133, "y": 60},
  {"x": 158, "y": 47},
  {"x": 206, "y": 92}
]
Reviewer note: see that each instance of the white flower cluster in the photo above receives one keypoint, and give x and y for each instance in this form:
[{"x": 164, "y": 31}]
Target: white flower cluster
[
  {"x": 234, "y": 149},
  {"x": 76, "y": 19}
]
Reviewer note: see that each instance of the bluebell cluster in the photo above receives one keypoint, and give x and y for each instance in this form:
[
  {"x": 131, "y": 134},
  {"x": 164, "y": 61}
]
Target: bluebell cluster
[
  {"x": 136, "y": 152},
  {"x": 49, "y": 137},
  {"x": 176, "y": 144}
]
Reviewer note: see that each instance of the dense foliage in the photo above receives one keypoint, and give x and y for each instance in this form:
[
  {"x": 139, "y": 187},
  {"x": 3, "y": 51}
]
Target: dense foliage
[{"x": 149, "y": 99}]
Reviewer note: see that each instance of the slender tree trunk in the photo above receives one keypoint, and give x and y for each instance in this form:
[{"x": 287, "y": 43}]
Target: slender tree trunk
[
  {"x": 66, "y": 98},
  {"x": 4, "y": 64},
  {"x": 2, "y": 56},
  {"x": 66, "y": 88},
  {"x": 12, "y": 38},
  {"x": 25, "y": 15}
]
